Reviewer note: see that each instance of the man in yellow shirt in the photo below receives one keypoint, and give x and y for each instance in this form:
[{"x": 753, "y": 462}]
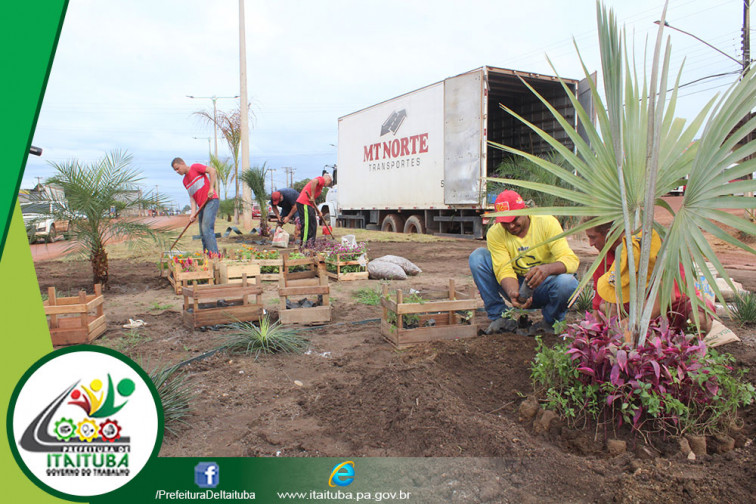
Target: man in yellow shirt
[{"x": 510, "y": 267}]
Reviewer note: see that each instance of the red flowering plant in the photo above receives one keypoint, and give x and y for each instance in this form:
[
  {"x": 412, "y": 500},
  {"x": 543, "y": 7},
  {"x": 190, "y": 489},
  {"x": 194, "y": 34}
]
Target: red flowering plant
[
  {"x": 672, "y": 383},
  {"x": 191, "y": 261}
]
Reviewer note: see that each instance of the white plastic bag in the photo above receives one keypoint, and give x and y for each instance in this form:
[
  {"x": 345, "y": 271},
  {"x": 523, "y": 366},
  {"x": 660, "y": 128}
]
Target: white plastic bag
[{"x": 280, "y": 238}]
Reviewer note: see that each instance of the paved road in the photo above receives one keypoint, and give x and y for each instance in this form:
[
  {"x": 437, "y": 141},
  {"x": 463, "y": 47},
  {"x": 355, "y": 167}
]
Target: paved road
[{"x": 46, "y": 251}]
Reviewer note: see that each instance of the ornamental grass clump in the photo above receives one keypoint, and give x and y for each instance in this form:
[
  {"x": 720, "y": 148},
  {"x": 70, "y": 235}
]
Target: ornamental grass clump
[
  {"x": 672, "y": 383},
  {"x": 584, "y": 300},
  {"x": 263, "y": 338},
  {"x": 176, "y": 395},
  {"x": 743, "y": 308}
]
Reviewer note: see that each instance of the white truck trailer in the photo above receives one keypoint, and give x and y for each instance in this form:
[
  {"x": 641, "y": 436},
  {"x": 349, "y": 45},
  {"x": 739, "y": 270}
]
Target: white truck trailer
[{"x": 417, "y": 163}]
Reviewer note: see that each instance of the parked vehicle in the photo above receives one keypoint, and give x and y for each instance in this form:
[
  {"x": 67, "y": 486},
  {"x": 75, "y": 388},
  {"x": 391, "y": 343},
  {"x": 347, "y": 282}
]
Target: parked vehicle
[
  {"x": 417, "y": 163},
  {"x": 43, "y": 221}
]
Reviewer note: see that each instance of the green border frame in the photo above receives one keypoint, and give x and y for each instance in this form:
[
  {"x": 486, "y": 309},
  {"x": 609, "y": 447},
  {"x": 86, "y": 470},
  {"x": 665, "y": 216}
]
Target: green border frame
[{"x": 53, "y": 355}]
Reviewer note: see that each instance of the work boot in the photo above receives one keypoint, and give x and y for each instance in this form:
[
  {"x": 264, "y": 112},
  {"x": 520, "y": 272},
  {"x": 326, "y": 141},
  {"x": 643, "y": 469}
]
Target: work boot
[
  {"x": 541, "y": 327},
  {"x": 501, "y": 325}
]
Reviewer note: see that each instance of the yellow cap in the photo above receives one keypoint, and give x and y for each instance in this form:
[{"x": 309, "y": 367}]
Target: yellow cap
[{"x": 606, "y": 285}]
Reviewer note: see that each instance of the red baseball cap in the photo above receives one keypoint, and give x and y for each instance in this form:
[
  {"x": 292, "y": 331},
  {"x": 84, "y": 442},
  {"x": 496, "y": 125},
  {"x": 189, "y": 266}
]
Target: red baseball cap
[
  {"x": 508, "y": 200},
  {"x": 275, "y": 197}
]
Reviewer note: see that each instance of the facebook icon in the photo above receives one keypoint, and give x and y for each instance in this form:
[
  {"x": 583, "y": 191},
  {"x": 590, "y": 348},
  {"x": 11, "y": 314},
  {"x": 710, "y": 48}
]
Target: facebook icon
[{"x": 206, "y": 474}]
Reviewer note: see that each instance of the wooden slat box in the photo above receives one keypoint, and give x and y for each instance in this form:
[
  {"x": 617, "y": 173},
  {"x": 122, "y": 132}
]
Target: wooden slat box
[
  {"x": 448, "y": 325},
  {"x": 75, "y": 320},
  {"x": 166, "y": 259},
  {"x": 201, "y": 303},
  {"x": 313, "y": 282},
  {"x": 180, "y": 279},
  {"x": 338, "y": 275}
]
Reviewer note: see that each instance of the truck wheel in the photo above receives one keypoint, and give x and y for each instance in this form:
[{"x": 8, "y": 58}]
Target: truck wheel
[
  {"x": 392, "y": 223},
  {"x": 52, "y": 235},
  {"x": 414, "y": 225}
]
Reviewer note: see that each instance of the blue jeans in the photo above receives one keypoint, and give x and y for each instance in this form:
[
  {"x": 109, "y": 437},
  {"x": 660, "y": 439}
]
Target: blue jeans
[
  {"x": 206, "y": 219},
  {"x": 551, "y": 296}
]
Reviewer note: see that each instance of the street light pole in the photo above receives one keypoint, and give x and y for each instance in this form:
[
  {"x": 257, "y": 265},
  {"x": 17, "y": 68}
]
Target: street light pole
[
  {"x": 215, "y": 113},
  {"x": 666, "y": 24}
]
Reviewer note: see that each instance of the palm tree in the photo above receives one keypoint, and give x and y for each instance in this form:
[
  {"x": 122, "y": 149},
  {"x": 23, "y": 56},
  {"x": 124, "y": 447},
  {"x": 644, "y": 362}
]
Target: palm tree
[
  {"x": 225, "y": 172},
  {"x": 640, "y": 151},
  {"x": 230, "y": 126},
  {"x": 255, "y": 179},
  {"x": 91, "y": 190}
]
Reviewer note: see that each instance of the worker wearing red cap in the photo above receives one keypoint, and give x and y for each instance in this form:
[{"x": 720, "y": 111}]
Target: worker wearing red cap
[
  {"x": 286, "y": 199},
  {"x": 511, "y": 265}
]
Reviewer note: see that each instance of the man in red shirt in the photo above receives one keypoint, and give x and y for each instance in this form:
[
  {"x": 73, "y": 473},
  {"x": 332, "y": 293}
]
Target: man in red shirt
[
  {"x": 306, "y": 206},
  {"x": 199, "y": 181}
]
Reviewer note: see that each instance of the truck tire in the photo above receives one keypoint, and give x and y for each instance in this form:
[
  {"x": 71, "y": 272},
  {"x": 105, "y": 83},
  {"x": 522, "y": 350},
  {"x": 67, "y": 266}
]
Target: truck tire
[
  {"x": 392, "y": 223},
  {"x": 414, "y": 225}
]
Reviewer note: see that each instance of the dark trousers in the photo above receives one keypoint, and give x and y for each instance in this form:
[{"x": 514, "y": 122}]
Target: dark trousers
[{"x": 309, "y": 222}]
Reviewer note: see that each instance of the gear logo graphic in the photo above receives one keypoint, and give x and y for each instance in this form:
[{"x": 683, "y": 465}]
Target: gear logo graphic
[
  {"x": 65, "y": 428},
  {"x": 110, "y": 430},
  {"x": 87, "y": 430},
  {"x": 85, "y": 421}
]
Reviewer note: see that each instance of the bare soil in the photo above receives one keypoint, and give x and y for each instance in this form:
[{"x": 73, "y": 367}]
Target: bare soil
[{"x": 359, "y": 397}]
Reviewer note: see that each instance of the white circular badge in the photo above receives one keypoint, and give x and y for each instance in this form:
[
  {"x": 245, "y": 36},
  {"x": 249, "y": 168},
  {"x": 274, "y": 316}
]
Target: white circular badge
[{"x": 84, "y": 420}]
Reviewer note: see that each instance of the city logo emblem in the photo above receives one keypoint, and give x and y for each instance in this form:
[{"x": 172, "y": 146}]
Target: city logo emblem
[
  {"x": 342, "y": 474},
  {"x": 92, "y": 436},
  {"x": 207, "y": 474}
]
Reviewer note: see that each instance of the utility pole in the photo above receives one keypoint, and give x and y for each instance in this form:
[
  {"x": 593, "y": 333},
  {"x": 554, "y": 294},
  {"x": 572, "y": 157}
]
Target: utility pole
[
  {"x": 746, "y": 35},
  {"x": 271, "y": 170},
  {"x": 247, "y": 196}
]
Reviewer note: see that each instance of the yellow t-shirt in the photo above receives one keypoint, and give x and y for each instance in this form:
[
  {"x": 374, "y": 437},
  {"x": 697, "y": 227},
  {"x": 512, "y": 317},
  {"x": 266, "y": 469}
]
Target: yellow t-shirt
[{"x": 505, "y": 246}]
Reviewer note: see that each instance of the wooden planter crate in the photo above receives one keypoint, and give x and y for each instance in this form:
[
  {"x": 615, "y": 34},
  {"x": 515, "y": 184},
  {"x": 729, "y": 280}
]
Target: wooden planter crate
[
  {"x": 338, "y": 275},
  {"x": 165, "y": 266},
  {"x": 312, "y": 282},
  {"x": 265, "y": 277},
  {"x": 448, "y": 324},
  {"x": 75, "y": 320},
  {"x": 180, "y": 279},
  {"x": 201, "y": 303}
]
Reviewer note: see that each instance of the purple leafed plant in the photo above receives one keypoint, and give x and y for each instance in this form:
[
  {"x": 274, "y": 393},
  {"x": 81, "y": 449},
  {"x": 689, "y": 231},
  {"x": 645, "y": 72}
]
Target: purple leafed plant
[{"x": 672, "y": 379}]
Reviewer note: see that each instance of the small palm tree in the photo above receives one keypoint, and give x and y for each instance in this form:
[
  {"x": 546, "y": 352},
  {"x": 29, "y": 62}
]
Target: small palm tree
[
  {"x": 255, "y": 179},
  {"x": 91, "y": 191},
  {"x": 639, "y": 152},
  {"x": 225, "y": 171}
]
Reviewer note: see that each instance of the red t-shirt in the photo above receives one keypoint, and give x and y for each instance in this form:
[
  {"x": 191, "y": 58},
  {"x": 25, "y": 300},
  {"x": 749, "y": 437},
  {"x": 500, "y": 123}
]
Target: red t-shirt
[
  {"x": 304, "y": 196},
  {"x": 197, "y": 183}
]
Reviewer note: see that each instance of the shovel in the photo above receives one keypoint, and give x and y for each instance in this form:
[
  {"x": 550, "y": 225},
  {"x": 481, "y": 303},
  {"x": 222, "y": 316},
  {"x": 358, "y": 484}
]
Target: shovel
[
  {"x": 330, "y": 231},
  {"x": 187, "y": 227}
]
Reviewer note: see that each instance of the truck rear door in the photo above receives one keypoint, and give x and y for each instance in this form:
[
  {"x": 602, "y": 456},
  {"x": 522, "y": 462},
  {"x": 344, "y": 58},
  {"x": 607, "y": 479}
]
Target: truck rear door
[{"x": 463, "y": 138}]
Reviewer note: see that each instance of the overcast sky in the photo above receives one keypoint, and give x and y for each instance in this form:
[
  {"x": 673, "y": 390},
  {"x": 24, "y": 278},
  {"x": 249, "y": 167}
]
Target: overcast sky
[{"x": 123, "y": 69}]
